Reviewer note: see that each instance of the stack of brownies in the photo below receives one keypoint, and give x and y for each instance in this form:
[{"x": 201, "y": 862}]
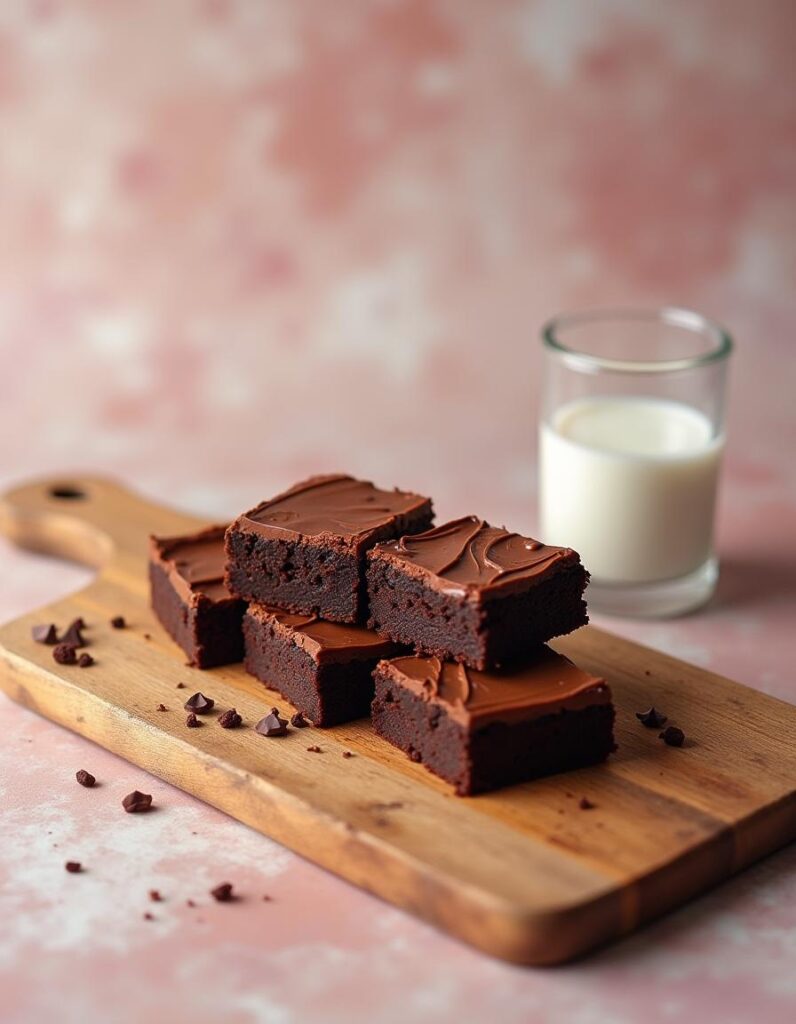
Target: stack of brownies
[{"x": 343, "y": 598}]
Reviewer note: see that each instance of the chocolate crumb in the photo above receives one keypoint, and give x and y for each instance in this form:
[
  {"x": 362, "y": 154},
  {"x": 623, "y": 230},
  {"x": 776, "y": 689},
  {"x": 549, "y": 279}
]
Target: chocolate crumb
[
  {"x": 298, "y": 721},
  {"x": 45, "y": 634},
  {"x": 180, "y": 686},
  {"x": 85, "y": 778},
  {"x": 415, "y": 755},
  {"x": 223, "y": 893},
  {"x": 148, "y": 916},
  {"x": 267, "y": 898},
  {"x": 162, "y": 707},
  {"x": 315, "y": 749},
  {"x": 190, "y": 903},
  {"x": 65, "y": 654},
  {"x": 272, "y": 725},
  {"x": 653, "y": 719},
  {"x": 118, "y": 622},
  {"x": 585, "y": 804},
  {"x": 73, "y": 635},
  {"x": 672, "y": 736},
  {"x": 199, "y": 704},
  {"x": 154, "y": 895},
  {"x": 192, "y": 721},
  {"x": 137, "y": 802},
  {"x": 85, "y": 661},
  {"x": 147, "y": 636},
  {"x": 230, "y": 719},
  {"x": 347, "y": 753},
  {"x": 73, "y": 867}
]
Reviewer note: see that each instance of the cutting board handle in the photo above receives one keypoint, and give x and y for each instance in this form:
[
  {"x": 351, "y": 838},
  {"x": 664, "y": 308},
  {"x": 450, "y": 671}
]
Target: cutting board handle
[{"x": 92, "y": 520}]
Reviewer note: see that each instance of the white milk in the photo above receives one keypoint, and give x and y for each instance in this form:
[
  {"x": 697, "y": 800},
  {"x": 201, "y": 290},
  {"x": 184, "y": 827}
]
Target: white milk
[{"x": 630, "y": 483}]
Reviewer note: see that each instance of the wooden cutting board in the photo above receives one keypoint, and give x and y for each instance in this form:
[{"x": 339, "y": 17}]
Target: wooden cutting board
[{"x": 523, "y": 874}]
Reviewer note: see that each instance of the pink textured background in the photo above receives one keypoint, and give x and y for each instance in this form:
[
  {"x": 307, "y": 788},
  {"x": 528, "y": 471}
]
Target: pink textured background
[{"x": 244, "y": 241}]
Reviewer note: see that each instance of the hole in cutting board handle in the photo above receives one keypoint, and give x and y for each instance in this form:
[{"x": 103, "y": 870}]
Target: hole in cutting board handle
[{"x": 65, "y": 492}]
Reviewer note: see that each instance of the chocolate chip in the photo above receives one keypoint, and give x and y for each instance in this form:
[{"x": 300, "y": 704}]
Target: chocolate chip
[
  {"x": 85, "y": 778},
  {"x": 155, "y": 896},
  {"x": 85, "y": 661},
  {"x": 347, "y": 753},
  {"x": 230, "y": 719},
  {"x": 272, "y": 725},
  {"x": 45, "y": 634},
  {"x": 136, "y": 802},
  {"x": 223, "y": 893},
  {"x": 199, "y": 704},
  {"x": 180, "y": 686},
  {"x": 672, "y": 736},
  {"x": 298, "y": 721},
  {"x": 585, "y": 804},
  {"x": 653, "y": 719},
  {"x": 162, "y": 707},
  {"x": 65, "y": 654},
  {"x": 192, "y": 721},
  {"x": 73, "y": 635},
  {"x": 118, "y": 622},
  {"x": 73, "y": 867},
  {"x": 315, "y": 750}
]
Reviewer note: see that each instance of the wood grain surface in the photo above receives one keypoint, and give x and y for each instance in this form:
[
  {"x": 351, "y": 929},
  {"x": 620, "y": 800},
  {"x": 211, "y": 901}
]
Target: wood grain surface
[{"x": 523, "y": 874}]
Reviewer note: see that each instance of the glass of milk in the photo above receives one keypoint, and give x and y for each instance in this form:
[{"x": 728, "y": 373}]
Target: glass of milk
[{"x": 631, "y": 440}]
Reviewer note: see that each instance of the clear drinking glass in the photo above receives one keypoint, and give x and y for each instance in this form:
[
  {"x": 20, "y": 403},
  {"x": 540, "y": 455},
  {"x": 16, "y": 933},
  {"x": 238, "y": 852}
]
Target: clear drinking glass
[{"x": 630, "y": 444}]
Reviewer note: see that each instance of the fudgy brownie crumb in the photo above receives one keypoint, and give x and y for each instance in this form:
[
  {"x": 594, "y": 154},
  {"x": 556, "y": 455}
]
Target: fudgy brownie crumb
[
  {"x": 85, "y": 778},
  {"x": 154, "y": 895},
  {"x": 162, "y": 707},
  {"x": 180, "y": 686},
  {"x": 223, "y": 893},
  {"x": 65, "y": 654},
  {"x": 148, "y": 916},
  {"x": 85, "y": 661},
  {"x": 672, "y": 736},
  {"x": 73, "y": 867},
  {"x": 585, "y": 804},
  {"x": 298, "y": 721},
  {"x": 347, "y": 753},
  {"x": 315, "y": 749},
  {"x": 192, "y": 721},
  {"x": 230, "y": 719},
  {"x": 137, "y": 802}
]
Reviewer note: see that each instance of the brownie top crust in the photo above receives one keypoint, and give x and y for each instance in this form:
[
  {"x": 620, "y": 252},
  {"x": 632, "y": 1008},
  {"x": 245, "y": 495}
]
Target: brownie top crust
[
  {"x": 326, "y": 642},
  {"x": 545, "y": 685},
  {"x": 194, "y": 563},
  {"x": 468, "y": 554},
  {"x": 336, "y": 506}
]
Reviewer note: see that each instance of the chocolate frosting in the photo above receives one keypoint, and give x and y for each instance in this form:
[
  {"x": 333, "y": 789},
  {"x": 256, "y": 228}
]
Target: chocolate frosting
[
  {"x": 328, "y": 642},
  {"x": 468, "y": 553},
  {"x": 545, "y": 685},
  {"x": 336, "y": 504},
  {"x": 194, "y": 563}
]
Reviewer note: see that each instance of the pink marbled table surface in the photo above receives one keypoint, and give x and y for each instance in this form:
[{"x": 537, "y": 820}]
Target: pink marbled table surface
[{"x": 245, "y": 241}]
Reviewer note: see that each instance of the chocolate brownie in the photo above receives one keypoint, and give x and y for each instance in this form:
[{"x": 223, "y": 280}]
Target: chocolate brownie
[
  {"x": 304, "y": 550},
  {"x": 483, "y": 730},
  {"x": 323, "y": 668},
  {"x": 474, "y": 593},
  {"x": 190, "y": 598}
]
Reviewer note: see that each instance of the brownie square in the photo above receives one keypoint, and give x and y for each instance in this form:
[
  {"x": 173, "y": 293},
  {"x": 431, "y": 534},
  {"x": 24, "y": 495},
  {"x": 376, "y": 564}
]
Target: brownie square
[
  {"x": 325, "y": 669},
  {"x": 304, "y": 550},
  {"x": 190, "y": 598},
  {"x": 483, "y": 730},
  {"x": 474, "y": 593}
]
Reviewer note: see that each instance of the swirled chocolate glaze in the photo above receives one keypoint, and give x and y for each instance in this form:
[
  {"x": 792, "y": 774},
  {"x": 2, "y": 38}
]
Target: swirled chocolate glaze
[
  {"x": 194, "y": 563},
  {"x": 468, "y": 553},
  {"x": 544, "y": 685},
  {"x": 327, "y": 642},
  {"x": 336, "y": 505}
]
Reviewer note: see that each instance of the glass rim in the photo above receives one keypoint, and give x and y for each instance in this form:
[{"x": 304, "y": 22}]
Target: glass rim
[{"x": 674, "y": 316}]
